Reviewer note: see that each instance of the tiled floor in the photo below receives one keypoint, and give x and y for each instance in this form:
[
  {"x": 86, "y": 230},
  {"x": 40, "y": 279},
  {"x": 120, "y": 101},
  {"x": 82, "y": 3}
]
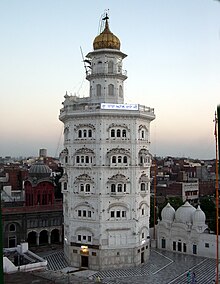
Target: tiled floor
[{"x": 162, "y": 268}]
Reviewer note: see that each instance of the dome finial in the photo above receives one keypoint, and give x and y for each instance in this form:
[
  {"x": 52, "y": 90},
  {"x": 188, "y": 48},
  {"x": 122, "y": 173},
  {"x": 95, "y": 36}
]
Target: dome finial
[{"x": 106, "y": 18}]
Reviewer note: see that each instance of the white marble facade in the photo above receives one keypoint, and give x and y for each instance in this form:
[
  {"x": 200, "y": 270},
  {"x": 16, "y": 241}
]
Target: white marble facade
[
  {"x": 185, "y": 231},
  {"x": 106, "y": 161}
]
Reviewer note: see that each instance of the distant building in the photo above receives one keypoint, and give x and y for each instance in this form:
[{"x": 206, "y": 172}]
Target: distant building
[
  {"x": 36, "y": 218},
  {"x": 185, "y": 231},
  {"x": 185, "y": 190}
]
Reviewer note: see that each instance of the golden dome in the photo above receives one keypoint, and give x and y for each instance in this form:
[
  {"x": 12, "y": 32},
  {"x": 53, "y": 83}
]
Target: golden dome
[{"x": 106, "y": 39}]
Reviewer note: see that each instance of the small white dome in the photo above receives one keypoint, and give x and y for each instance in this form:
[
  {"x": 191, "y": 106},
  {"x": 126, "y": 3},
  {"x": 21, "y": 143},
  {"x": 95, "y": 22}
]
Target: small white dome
[
  {"x": 168, "y": 213},
  {"x": 199, "y": 216},
  {"x": 184, "y": 214}
]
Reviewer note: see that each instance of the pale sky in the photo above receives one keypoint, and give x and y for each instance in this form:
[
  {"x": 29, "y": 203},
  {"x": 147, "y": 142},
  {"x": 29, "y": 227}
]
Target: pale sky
[{"x": 173, "y": 66}]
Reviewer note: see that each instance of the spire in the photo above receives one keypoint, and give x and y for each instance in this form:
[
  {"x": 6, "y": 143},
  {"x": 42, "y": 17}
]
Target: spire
[{"x": 106, "y": 18}]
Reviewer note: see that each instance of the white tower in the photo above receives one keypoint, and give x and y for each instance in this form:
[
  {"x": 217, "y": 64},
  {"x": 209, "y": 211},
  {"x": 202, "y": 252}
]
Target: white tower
[{"x": 106, "y": 161}]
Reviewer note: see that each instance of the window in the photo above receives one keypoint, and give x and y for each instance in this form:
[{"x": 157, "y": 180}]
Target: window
[
  {"x": 82, "y": 159},
  {"x": 87, "y": 159},
  {"x": 125, "y": 160},
  {"x": 142, "y": 134},
  {"x": 120, "y": 89},
  {"x": 118, "y": 214},
  {"x": 89, "y": 238},
  {"x": 123, "y": 133},
  {"x": 77, "y": 159},
  {"x": 66, "y": 159},
  {"x": 141, "y": 160},
  {"x": 143, "y": 186},
  {"x": 113, "y": 188},
  {"x": 87, "y": 187},
  {"x": 64, "y": 186},
  {"x": 89, "y": 133},
  {"x": 123, "y": 214},
  {"x": 113, "y": 133},
  {"x": 142, "y": 211},
  {"x": 114, "y": 159},
  {"x": 184, "y": 247},
  {"x": 81, "y": 187},
  {"x": 119, "y": 159},
  {"x": 89, "y": 214},
  {"x": 163, "y": 243},
  {"x": 98, "y": 90},
  {"x": 79, "y": 213},
  {"x": 12, "y": 228},
  {"x": 80, "y": 133},
  {"x": 84, "y": 238},
  {"x": 142, "y": 235},
  {"x": 174, "y": 246},
  {"x": 118, "y": 133},
  {"x": 79, "y": 237},
  {"x": 124, "y": 187},
  {"x": 111, "y": 90},
  {"x": 194, "y": 249},
  {"x": 119, "y": 187},
  {"x": 110, "y": 67},
  {"x": 206, "y": 245},
  {"x": 112, "y": 214},
  {"x": 84, "y": 213}
]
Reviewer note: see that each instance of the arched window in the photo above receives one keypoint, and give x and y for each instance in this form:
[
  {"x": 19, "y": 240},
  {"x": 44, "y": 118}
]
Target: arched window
[
  {"x": 141, "y": 160},
  {"x": 87, "y": 159},
  {"x": 119, "y": 159},
  {"x": 120, "y": 92},
  {"x": 119, "y": 187},
  {"x": 111, "y": 90},
  {"x": 118, "y": 133},
  {"x": 77, "y": 159},
  {"x": 84, "y": 133},
  {"x": 87, "y": 187},
  {"x": 110, "y": 67},
  {"x": 142, "y": 133},
  {"x": 66, "y": 159},
  {"x": 113, "y": 187},
  {"x": 123, "y": 133},
  {"x": 89, "y": 133},
  {"x": 143, "y": 186},
  {"x": 81, "y": 187},
  {"x": 113, "y": 133},
  {"x": 65, "y": 186},
  {"x": 125, "y": 187},
  {"x": 82, "y": 159},
  {"x": 80, "y": 133},
  {"x": 114, "y": 159},
  {"x": 125, "y": 159},
  {"x": 12, "y": 228},
  {"x": 98, "y": 90}
]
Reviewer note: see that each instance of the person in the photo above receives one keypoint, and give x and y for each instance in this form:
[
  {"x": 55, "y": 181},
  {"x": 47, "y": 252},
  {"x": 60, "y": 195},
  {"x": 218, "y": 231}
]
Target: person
[
  {"x": 193, "y": 278},
  {"x": 188, "y": 277}
]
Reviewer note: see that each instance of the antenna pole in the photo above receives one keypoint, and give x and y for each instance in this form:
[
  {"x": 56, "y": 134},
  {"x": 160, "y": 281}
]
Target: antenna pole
[
  {"x": 83, "y": 61},
  {"x": 155, "y": 195},
  {"x": 216, "y": 192}
]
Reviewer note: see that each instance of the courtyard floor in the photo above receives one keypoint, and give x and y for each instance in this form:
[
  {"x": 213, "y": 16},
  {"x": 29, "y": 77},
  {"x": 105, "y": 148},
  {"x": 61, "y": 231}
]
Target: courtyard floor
[{"x": 163, "y": 267}]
